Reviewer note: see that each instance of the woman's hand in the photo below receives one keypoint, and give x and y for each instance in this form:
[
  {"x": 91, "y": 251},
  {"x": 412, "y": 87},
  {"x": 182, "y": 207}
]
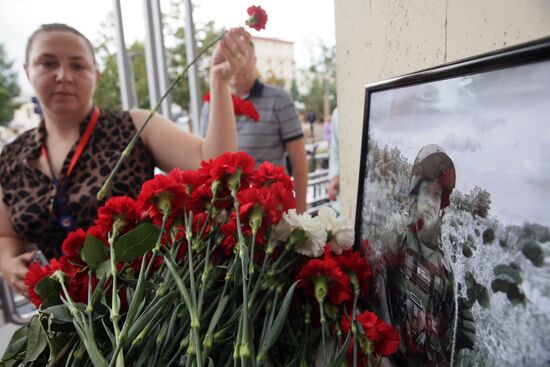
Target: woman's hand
[
  {"x": 232, "y": 53},
  {"x": 14, "y": 270}
]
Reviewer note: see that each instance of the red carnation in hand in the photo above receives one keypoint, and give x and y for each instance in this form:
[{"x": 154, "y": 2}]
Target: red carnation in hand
[
  {"x": 258, "y": 17},
  {"x": 241, "y": 107},
  {"x": 118, "y": 207},
  {"x": 72, "y": 244},
  {"x": 384, "y": 337},
  {"x": 328, "y": 270}
]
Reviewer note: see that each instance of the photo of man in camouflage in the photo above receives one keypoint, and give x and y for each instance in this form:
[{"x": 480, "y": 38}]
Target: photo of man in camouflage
[{"x": 416, "y": 285}]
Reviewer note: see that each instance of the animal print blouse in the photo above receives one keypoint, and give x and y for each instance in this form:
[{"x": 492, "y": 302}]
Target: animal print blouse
[{"x": 30, "y": 194}]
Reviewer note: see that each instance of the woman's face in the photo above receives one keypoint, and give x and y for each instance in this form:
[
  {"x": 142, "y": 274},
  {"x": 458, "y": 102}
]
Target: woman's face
[{"x": 62, "y": 72}]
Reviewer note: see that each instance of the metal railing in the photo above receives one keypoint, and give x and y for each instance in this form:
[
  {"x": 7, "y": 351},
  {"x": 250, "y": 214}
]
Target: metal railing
[{"x": 16, "y": 308}]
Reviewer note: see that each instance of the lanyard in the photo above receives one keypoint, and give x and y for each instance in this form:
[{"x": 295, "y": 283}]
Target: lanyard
[
  {"x": 66, "y": 221},
  {"x": 81, "y": 144}
]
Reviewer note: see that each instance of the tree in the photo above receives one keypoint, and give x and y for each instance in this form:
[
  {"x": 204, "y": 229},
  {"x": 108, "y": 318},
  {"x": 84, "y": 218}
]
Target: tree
[
  {"x": 108, "y": 90},
  {"x": 321, "y": 97},
  {"x": 107, "y": 93},
  {"x": 480, "y": 201},
  {"x": 8, "y": 88}
]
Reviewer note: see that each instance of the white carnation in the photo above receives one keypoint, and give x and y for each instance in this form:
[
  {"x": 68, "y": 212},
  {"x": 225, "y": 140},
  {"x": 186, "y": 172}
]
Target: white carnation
[
  {"x": 342, "y": 233},
  {"x": 316, "y": 234}
]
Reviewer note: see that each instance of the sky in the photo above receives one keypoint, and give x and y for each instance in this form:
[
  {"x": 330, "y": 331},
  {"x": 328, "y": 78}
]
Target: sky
[
  {"x": 289, "y": 20},
  {"x": 494, "y": 126}
]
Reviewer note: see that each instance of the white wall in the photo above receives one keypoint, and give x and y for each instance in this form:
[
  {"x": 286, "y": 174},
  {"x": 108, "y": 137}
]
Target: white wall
[{"x": 379, "y": 39}]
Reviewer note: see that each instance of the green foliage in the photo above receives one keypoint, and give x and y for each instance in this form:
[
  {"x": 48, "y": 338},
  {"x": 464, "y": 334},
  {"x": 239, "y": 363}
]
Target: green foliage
[
  {"x": 488, "y": 236},
  {"x": 476, "y": 292},
  {"x": 533, "y": 252},
  {"x": 136, "y": 242},
  {"x": 108, "y": 90},
  {"x": 507, "y": 280},
  {"x": 8, "y": 88},
  {"x": 321, "y": 79}
]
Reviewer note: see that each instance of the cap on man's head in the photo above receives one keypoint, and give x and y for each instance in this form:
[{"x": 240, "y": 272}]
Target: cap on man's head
[{"x": 433, "y": 164}]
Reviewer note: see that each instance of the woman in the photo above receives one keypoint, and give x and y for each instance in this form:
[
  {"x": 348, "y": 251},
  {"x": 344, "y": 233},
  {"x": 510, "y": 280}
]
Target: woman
[{"x": 50, "y": 175}]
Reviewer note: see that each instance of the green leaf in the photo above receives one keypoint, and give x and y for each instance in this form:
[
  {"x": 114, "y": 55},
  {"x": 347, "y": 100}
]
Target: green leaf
[
  {"x": 93, "y": 252},
  {"x": 137, "y": 242},
  {"x": 470, "y": 280},
  {"x": 59, "y": 342},
  {"x": 508, "y": 273},
  {"x": 341, "y": 353},
  {"x": 533, "y": 252},
  {"x": 278, "y": 324},
  {"x": 104, "y": 269},
  {"x": 48, "y": 289},
  {"x": 36, "y": 340},
  {"x": 17, "y": 342},
  {"x": 467, "y": 251},
  {"x": 61, "y": 314},
  {"x": 499, "y": 285},
  {"x": 515, "y": 295},
  {"x": 482, "y": 295}
]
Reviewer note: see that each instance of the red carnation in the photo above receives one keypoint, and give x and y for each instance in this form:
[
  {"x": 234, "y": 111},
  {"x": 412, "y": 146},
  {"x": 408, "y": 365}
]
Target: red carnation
[
  {"x": 121, "y": 207},
  {"x": 258, "y": 17},
  {"x": 268, "y": 174},
  {"x": 34, "y": 275},
  {"x": 72, "y": 245},
  {"x": 245, "y": 108},
  {"x": 226, "y": 165},
  {"x": 241, "y": 107},
  {"x": 328, "y": 269},
  {"x": 384, "y": 337},
  {"x": 99, "y": 233},
  {"x": 197, "y": 193},
  {"x": 229, "y": 229},
  {"x": 351, "y": 262},
  {"x": 159, "y": 192}
]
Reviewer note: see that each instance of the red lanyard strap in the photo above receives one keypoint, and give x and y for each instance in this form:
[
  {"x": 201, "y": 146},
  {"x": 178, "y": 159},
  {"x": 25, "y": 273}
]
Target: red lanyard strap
[{"x": 81, "y": 144}]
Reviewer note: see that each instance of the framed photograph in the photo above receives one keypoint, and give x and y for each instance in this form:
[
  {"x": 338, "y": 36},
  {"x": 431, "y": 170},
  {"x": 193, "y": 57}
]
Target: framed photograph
[{"x": 455, "y": 180}]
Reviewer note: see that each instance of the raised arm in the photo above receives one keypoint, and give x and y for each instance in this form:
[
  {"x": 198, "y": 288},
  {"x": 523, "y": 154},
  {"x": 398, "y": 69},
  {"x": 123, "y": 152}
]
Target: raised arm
[{"x": 172, "y": 147}]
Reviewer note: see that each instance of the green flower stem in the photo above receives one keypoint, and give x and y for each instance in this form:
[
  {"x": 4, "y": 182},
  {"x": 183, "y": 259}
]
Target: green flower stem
[
  {"x": 354, "y": 326},
  {"x": 237, "y": 344},
  {"x": 81, "y": 328},
  {"x": 128, "y": 150},
  {"x": 251, "y": 260},
  {"x": 140, "y": 287},
  {"x": 244, "y": 349},
  {"x": 323, "y": 328},
  {"x": 195, "y": 322},
  {"x": 189, "y": 237},
  {"x": 260, "y": 278},
  {"x": 115, "y": 305},
  {"x": 90, "y": 307},
  {"x": 204, "y": 279}
]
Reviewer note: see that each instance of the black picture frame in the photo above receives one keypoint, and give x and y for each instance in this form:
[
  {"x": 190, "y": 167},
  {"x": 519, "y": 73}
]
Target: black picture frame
[{"x": 533, "y": 57}]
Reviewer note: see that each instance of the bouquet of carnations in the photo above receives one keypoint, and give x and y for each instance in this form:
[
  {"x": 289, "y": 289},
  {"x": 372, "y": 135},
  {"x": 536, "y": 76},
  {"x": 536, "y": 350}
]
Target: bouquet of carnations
[{"x": 211, "y": 267}]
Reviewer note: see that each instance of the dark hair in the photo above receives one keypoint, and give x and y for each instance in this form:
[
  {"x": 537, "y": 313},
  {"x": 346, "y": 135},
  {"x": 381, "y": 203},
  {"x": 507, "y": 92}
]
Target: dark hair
[{"x": 56, "y": 27}]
